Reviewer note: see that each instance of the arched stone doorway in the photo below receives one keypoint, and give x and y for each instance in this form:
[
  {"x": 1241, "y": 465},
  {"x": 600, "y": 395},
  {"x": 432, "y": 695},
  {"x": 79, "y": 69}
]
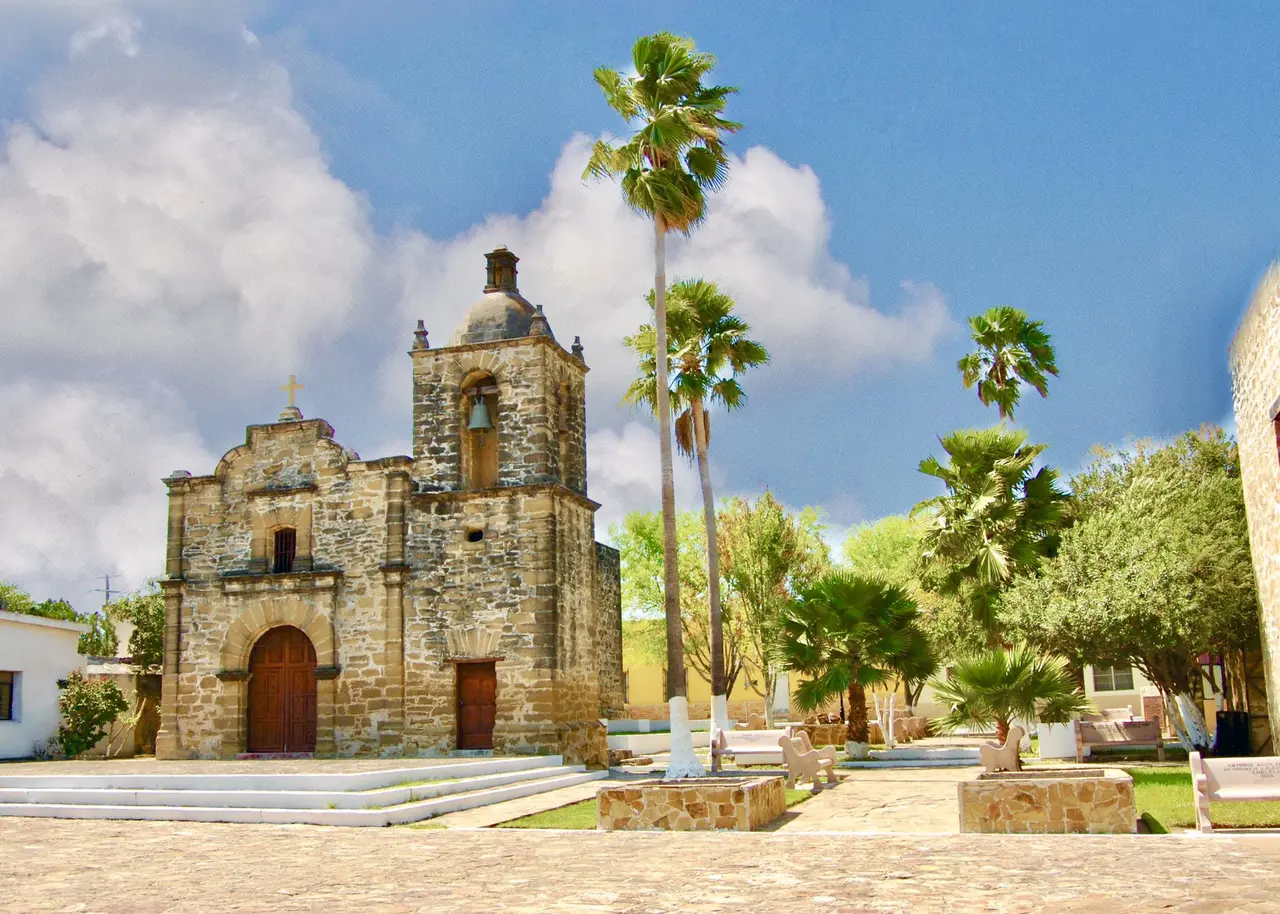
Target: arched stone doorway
[{"x": 282, "y": 692}]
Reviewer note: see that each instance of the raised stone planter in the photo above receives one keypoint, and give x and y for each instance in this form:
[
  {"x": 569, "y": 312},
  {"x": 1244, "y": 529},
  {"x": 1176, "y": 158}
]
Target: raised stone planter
[
  {"x": 825, "y": 734},
  {"x": 696, "y": 804},
  {"x": 1049, "y": 801}
]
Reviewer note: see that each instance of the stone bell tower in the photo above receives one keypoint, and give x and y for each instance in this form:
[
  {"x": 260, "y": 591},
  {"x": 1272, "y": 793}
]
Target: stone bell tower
[{"x": 503, "y": 355}]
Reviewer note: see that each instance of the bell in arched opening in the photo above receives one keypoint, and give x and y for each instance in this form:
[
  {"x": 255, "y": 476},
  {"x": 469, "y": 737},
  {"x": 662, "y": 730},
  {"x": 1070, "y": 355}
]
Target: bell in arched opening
[{"x": 480, "y": 432}]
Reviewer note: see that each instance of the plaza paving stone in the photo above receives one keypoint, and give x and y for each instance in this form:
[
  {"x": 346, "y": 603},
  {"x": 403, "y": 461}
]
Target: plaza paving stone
[{"x": 155, "y": 867}]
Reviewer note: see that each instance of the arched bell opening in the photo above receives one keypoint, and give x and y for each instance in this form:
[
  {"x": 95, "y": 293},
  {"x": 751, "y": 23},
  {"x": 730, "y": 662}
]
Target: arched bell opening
[{"x": 480, "y": 424}]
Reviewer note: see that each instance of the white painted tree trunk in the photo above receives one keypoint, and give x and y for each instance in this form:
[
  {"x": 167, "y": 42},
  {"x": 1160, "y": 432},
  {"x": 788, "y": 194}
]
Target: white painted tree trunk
[
  {"x": 719, "y": 712},
  {"x": 884, "y": 719},
  {"x": 684, "y": 762},
  {"x": 1192, "y": 714}
]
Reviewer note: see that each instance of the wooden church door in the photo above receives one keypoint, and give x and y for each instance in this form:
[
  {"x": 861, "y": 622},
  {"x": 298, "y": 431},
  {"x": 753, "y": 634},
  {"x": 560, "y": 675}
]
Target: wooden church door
[
  {"x": 477, "y": 704},
  {"x": 282, "y": 692}
]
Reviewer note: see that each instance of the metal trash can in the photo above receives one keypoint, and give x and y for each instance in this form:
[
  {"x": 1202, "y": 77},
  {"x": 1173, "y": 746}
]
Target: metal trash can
[{"x": 1232, "y": 736}]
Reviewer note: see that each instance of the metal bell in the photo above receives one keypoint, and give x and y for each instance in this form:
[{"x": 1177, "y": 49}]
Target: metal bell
[{"x": 480, "y": 421}]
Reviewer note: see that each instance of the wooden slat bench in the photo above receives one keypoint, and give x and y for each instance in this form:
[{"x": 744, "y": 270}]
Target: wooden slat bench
[
  {"x": 760, "y": 745},
  {"x": 1232, "y": 780},
  {"x": 1115, "y": 733}
]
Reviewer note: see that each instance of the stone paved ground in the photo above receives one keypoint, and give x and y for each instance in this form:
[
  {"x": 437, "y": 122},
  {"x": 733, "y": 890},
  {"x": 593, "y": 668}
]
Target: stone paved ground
[
  {"x": 901, "y": 800},
  {"x": 154, "y": 867}
]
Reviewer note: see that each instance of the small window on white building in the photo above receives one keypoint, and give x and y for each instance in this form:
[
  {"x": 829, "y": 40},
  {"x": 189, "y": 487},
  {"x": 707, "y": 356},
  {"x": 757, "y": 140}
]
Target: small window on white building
[
  {"x": 1113, "y": 679},
  {"x": 7, "y": 682}
]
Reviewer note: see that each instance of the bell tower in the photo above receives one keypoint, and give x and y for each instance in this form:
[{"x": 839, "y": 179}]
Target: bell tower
[{"x": 503, "y": 404}]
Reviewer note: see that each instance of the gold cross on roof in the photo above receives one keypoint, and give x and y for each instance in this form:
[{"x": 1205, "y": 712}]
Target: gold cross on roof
[{"x": 292, "y": 386}]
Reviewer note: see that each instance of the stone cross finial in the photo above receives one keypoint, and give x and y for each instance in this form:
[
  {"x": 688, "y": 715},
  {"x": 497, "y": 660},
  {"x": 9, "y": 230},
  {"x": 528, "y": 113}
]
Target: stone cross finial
[
  {"x": 577, "y": 346},
  {"x": 420, "y": 340},
  {"x": 292, "y": 387}
]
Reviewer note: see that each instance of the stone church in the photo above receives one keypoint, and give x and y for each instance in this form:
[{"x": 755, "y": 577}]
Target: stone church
[{"x": 452, "y": 600}]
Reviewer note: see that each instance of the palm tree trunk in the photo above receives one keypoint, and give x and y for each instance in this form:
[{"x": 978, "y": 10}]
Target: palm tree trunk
[
  {"x": 683, "y": 761},
  {"x": 858, "y": 731},
  {"x": 719, "y": 685}
]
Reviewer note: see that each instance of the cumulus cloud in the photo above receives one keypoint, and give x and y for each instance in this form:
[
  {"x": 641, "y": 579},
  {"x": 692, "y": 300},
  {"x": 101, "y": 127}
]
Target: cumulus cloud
[
  {"x": 623, "y": 474},
  {"x": 588, "y": 259},
  {"x": 80, "y": 471},
  {"x": 193, "y": 227}
]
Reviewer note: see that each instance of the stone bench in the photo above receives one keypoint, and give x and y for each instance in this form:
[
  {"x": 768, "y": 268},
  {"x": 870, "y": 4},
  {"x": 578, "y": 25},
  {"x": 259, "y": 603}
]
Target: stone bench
[
  {"x": 1232, "y": 780},
  {"x": 760, "y": 746},
  {"x": 1114, "y": 733}
]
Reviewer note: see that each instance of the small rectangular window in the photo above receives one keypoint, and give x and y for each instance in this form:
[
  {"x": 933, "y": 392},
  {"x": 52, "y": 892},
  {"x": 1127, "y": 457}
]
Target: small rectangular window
[
  {"x": 6, "y": 695},
  {"x": 1113, "y": 679},
  {"x": 286, "y": 548}
]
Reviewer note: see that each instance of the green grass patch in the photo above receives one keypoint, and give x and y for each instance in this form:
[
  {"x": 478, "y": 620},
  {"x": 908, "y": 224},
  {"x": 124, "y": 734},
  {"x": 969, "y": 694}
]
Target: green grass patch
[
  {"x": 413, "y": 784},
  {"x": 1164, "y": 800},
  {"x": 581, "y": 816}
]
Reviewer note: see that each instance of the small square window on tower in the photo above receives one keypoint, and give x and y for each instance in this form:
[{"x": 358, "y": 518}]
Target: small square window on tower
[{"x": 285, "y": 551}]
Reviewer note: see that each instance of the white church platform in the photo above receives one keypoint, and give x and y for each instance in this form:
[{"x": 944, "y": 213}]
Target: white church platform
[{"x": 392, "y": 796}]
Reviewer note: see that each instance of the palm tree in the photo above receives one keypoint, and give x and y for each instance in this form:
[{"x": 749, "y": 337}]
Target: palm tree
[
  {"x": 1000, "y": 517},
  {"x": 1011, "y": 350},
  {"x": 708, "y": 347},
  {"x": 667, "y": 167},
  {"x": 1001, "y": 686},
  {"x": 849, "y": 632}
]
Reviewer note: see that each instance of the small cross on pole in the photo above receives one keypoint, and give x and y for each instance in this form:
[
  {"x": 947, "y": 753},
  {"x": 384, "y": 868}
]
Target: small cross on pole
[{"x": 291, "y": 387}]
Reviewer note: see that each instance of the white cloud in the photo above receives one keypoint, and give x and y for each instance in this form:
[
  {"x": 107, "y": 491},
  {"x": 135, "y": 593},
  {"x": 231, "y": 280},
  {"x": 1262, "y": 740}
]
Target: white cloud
[
  {"x": 196, "y": 231},
  {"x": 80, "y": 471},
  {"x": 588, "y": 259},
  {"x": 624, "y": 475},
  {"x": 123, "y": 30}
]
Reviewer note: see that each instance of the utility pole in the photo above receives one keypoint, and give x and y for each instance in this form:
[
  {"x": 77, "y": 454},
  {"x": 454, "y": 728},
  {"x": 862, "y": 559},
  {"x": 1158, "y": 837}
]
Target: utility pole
[{"x": 106, "y": 590}]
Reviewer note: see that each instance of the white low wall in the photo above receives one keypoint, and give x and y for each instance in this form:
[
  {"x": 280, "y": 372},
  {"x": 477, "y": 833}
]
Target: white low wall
[{"x": 649, "y": 743}]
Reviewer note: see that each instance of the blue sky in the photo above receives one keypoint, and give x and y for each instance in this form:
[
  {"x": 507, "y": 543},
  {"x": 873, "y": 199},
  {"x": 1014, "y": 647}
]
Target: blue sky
[{"x": 200, "y": 202}]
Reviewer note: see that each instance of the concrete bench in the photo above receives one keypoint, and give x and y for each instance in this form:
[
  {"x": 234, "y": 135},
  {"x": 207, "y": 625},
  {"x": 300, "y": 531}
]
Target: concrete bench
[
  {"x": 760, "y": 746},
  {"x": 1232, "y": 780},
  {"x": 1113, "y": 733},
  {"x": 805, "y": 762}
]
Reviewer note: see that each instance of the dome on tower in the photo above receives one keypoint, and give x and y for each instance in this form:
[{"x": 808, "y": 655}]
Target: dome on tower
[{"x": 503, "y": 313}]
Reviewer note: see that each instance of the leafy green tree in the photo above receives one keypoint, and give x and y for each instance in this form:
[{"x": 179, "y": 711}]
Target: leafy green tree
[
  {"x": 708, "y": 349},
  {"x": 639, "y": 542},
  {"x": 1000, "y": 517},
  {"x": 847, "y": 633},
  {"x": 88, "y": 708},
  {"x": 891, "y": 548},
  {"x": 674, "y": 157},
  {"x": 1001, "y": 686},
  {"x": 1012, "y": 350},
  {"x": 145, "y": 611},
  {"x": 1156, "y": 572},
  {"x": 15, "y": 600},
  {"x": 767, "y": 556},
  {"x": 101, "y": 639}
]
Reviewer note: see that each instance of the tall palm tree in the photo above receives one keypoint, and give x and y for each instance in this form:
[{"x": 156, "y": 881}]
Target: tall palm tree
[
  {"x": 1001, "y": 686},
  {"x": 708, "y": 347},
  {"x": 848, "y": 632},
  {"x": 674, "y": 157},
  {"x": 1011, "y": 350}
]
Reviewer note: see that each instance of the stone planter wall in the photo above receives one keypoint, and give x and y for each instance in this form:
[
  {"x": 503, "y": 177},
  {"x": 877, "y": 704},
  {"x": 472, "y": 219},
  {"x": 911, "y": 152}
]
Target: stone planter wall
[
  {"x": 691, "y": 805},
  {"x": 825, "y": 734},
  {"x": 1049, "y": 802}
]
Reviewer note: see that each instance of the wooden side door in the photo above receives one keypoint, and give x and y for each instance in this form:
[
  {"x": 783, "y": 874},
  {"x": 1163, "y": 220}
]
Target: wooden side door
[{"x": 477, "y": 704}]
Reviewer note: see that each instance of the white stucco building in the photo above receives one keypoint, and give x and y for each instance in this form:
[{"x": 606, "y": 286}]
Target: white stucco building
[{"x": 34, "y": 654}]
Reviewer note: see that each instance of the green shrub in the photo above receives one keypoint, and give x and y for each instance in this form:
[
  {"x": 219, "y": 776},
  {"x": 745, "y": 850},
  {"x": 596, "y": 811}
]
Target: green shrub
[{"x": 88, "y": 706}]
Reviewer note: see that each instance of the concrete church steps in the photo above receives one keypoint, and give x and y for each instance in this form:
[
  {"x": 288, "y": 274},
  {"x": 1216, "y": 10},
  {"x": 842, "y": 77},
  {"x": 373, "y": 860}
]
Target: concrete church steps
[{"x": 326, "y": 799}]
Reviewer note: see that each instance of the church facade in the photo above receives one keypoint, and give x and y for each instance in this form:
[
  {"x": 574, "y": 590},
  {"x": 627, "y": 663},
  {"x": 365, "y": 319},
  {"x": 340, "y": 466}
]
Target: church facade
[{"x": 455, "y": 599}]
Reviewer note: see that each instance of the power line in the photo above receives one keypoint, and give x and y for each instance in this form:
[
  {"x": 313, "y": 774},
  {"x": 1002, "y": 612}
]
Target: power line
[{"x": 107, "y": 590}]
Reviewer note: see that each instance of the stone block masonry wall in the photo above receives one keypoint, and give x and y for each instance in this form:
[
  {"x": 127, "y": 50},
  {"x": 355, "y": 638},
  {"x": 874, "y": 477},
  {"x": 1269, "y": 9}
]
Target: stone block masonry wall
[
  {"x": 221, "y": 599},
  {"x": 608, "y": 602},
  {"x": 1255, "y": 377}
]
